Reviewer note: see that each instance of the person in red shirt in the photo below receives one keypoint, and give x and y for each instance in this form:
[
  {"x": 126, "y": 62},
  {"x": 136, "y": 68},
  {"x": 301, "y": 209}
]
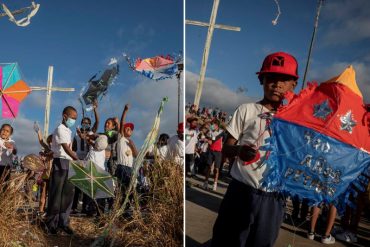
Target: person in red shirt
[{"x": 215, "y": 141}]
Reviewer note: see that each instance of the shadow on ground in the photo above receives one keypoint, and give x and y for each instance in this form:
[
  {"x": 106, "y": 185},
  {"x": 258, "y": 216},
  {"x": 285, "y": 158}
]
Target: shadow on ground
[{"x": 203, "y": 199}]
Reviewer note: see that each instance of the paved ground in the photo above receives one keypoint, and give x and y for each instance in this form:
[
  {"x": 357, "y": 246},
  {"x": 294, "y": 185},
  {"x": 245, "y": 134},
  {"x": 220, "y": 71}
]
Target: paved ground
[{"x": 201, "y": 212}]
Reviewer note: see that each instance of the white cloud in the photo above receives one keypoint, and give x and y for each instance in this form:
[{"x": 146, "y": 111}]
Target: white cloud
[
  {"x": 24, "y": 136},
  {"x": 349, "y": 21},
  {"x": 215, "y": 93},
  {"x": 189, "y": 62}
]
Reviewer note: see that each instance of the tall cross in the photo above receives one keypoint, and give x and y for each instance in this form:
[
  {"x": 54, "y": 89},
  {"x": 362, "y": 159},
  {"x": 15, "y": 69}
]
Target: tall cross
[
  {"x": 48, "y": 90},
  {"x": 211, "y": 26}
]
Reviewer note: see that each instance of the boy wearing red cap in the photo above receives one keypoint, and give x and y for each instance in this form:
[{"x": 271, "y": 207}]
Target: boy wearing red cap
[
  {"x": 249, "y": 215},
  {"x": 126, "y": 151}
]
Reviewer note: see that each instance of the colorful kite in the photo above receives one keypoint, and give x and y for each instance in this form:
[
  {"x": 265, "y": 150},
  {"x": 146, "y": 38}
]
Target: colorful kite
[
  {"x": 97, "y": 88},
  {"x": 91, "y": 179},
  {"x": 13, "y": 90},
  {"x": 155, "y": 68},
  {"x": 320, "y": 145}
]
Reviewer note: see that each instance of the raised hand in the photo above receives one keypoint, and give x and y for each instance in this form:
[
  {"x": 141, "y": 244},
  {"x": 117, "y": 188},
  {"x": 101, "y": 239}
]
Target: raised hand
[{"x": 95, "y": 103}]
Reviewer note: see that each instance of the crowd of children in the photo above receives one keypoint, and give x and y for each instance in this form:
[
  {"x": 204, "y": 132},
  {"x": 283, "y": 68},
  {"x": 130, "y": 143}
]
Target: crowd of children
[{"x": 113, "y": 151}]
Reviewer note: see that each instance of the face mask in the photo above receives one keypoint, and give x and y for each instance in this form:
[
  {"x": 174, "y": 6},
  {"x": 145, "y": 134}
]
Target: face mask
[
  {"x": 85, "y": 126},
  {"x": 70, "y": 122},
  {"x": 212, "y": 127},
  {"x": 109, "y": 133}
]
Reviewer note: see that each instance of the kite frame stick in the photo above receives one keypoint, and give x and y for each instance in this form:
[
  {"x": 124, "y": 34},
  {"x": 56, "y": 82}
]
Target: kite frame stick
[{"x": 312, "y": 41}]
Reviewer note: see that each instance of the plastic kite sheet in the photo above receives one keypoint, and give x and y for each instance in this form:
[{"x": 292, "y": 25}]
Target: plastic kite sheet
[
  {"x": 98, "y": 86},
  {"x": 13, "y": 90},
  {"x": 319, "y": 147},
  {"x": 155, "y": 68},
  {"x": 91, "y": 179},
  {"x": 23, "y": 22}
]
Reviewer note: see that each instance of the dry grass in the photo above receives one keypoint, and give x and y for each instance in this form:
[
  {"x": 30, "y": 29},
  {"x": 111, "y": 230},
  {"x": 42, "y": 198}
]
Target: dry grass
[
  {"x": 160, "y": 221},
  {"x": 15, "y": 226}
]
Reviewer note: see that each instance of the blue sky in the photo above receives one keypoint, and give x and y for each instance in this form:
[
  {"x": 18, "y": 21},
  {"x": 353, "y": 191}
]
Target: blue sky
[
  {"x": 342, "y": 38},
  {"x": 78, "y": 38}
]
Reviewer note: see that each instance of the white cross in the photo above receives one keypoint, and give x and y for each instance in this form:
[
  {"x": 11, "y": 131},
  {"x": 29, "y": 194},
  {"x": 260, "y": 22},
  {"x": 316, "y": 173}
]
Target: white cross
[
  {"x": 48, "y": 90},
  {"x": 211, "y": 26}
]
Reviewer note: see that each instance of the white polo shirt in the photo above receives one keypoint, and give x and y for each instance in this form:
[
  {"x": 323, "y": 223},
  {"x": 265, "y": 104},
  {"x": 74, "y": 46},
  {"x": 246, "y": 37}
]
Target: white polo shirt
[
  {"x": 62, "y": 134},
  {"x": 98, "y": 157},
  {"x": 124, "y": 152},
  {"x": 249, "y": 128},
  {"x": 175, "y": 151},
  {"x": 191, "y": 139},
  {"x": 6, "y": 155}
]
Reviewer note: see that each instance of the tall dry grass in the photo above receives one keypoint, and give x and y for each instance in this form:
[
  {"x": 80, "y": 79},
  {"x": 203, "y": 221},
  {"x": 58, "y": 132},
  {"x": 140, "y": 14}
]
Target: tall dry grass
[
  {"x": 16, "y": 215},
  {"x": 159, "y": 220}
]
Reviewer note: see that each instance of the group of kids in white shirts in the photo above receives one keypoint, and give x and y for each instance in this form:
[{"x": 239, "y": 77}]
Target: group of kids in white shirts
[
  {"x": 113, "y": 151},
  {"x": 61, "y": 148}
]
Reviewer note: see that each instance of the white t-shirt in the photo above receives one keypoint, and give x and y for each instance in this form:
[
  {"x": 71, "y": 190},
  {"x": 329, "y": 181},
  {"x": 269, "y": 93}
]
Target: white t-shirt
[
  {"x": 6, "y": 155},
  {"x": 61, "y": 135},
  {"x": 175, "y": 150},
  {"x": 248, "y": 128},
  {"x": 161, "y": 152},
  {"x": 214, "y": 133},
  {"x": 98, "y": 157},
  {"x": 124, "y": 152},
  {"x": 191, "y": 139}
]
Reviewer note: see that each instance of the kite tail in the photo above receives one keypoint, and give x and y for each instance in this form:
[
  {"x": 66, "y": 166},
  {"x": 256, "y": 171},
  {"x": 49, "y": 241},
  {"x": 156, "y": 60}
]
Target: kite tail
[
  {"x": 129, "y": 61},
  {"x": 24, "y": 21},
  {"x": 349, "y": 197}
]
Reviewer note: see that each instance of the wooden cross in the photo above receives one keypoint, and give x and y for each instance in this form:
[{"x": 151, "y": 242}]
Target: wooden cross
[
  {"x": 48, "y": 90},
  {"x": 211, "y": 26}
]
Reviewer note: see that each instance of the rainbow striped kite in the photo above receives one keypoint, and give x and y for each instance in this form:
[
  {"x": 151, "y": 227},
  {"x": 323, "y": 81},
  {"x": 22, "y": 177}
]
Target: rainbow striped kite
[{"x": 13, "y": 90}]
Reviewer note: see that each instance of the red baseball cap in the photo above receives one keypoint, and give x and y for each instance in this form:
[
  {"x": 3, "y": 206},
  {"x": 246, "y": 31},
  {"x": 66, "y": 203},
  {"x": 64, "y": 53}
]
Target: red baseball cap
[
  {"x": 180, "y": 127},
  {"x": 280, "y": 63},
  {"x": 131, "y": 125}
]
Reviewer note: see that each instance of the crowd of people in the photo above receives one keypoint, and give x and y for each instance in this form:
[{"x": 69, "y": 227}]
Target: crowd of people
[
  {"x": 112, "y": 150},
  {"x": 249, "y": 215}
]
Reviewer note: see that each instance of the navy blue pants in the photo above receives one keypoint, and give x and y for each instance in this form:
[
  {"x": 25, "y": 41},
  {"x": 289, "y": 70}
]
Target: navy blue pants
[
  {"x": 60, "y": 197},
  {"x": 248, "y": 217}
]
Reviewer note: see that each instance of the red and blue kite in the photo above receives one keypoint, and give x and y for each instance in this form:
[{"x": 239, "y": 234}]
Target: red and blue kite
[
  {"x": 155, "y": 68},
  {"x": 320, "y": 145}
]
